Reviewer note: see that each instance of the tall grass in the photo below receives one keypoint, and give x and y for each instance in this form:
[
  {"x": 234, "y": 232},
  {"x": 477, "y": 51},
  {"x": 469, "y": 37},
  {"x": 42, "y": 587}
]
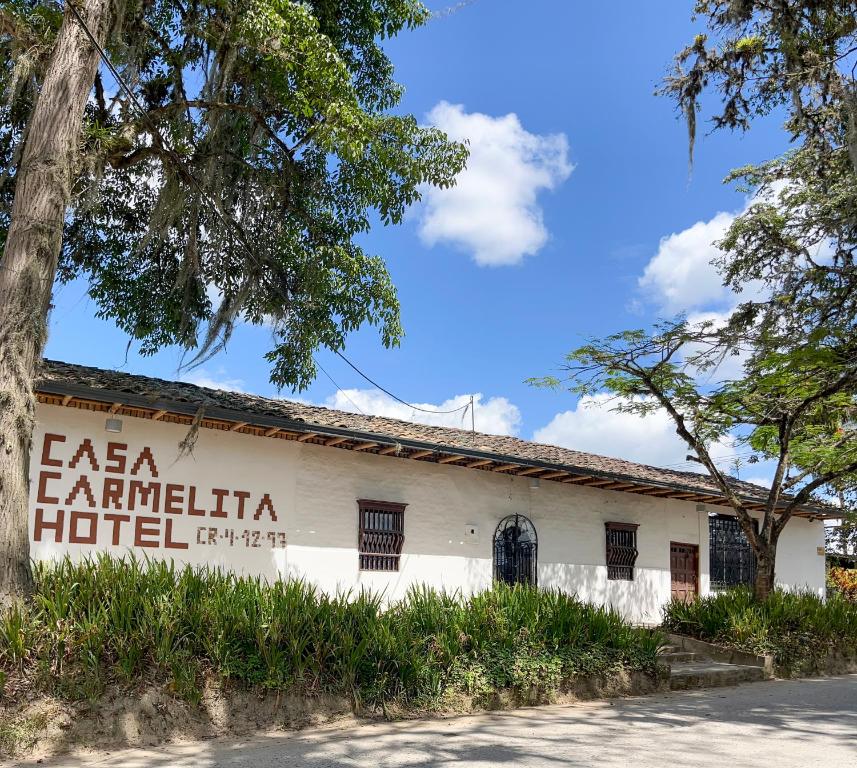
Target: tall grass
[
  {"x": 799, "y": 629},
  {"x": 107, "y": 620}
]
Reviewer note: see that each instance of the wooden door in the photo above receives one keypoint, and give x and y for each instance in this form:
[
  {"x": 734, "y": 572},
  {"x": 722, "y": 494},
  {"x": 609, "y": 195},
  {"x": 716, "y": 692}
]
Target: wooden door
[{"x": 684, "y": 569}]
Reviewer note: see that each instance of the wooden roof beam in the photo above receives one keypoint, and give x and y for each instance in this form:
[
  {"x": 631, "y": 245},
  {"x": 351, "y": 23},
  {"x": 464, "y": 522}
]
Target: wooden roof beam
[
  {"x": 420, "y": 454},
  {"x": 364, "y": 446},
  {"x": 389, "y": 449},
  {"x": 479, "y": 463},
  {"x": 337, "y": 440},
  {"x": 530, "y": 471},
  {"x": 505, "y": 467},
  {"x": 66, "y": 399},
  {"x": 656, "y": 492},
  {"x": 553, "y": 475},
  {"x": 307, "y": 436},
  {"x": 450, "y": 459},
  {"x": 237, "y": 425},
  {"x": 271, "y": 432},
  {"x": 158, "y": 415}
]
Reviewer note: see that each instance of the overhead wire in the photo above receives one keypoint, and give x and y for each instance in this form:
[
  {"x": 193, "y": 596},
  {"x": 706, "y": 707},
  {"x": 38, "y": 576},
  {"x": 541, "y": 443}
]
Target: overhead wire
[
  {"x": 225, "y": 218},
  {"x": 338, "y": 388},
  {"x": 390, "y": 394}
]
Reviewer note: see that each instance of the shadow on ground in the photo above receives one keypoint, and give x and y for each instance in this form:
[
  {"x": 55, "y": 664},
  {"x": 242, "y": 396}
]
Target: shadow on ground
[{"x": 782, "y": 723}]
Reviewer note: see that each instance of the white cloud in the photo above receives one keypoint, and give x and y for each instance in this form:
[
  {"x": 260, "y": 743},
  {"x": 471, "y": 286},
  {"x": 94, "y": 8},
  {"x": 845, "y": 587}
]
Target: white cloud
[
  {"x": 765, "y": 482},
  {"x": 217, "y": 380},
  {"x": 492, "y": 212},
  {"x": 731, "y": 367},
  {"x": 496, "y": 415},
  {"x": 680, "y": 276},
  {"x": 593, "y": 427}
]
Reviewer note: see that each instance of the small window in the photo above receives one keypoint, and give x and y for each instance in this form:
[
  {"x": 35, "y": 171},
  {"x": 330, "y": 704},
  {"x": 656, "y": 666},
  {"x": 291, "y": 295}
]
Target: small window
[
  {"x": 382, "y": 533},
  {"x": 621, "y": 550}
]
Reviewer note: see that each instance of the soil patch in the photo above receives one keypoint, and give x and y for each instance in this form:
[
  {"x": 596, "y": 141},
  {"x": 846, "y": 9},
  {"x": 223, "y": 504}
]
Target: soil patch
[{"x": 42, "y": 726}]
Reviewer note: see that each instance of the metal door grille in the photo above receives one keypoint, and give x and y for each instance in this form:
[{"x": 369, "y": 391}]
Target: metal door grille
[
  {"x": 381, "y": 535},
  {"x": 621, "y": 550},
  {"x": 732, "y": 560},
  {"x": 516, "y": 548}
]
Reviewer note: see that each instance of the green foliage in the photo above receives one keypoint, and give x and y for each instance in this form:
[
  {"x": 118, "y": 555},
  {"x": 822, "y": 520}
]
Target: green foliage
[
  {"x": 106, "y": 619},
  {"x": 269, "y": 145},
  {"x": 843, "y": 581},
  {"x": 794, "y": 406},
  {"x": 799, "y": 234},
  {"x": 794, "y": 399},
  {"x": 760, "y": 56},
  {"x": 799, "y": 630}
]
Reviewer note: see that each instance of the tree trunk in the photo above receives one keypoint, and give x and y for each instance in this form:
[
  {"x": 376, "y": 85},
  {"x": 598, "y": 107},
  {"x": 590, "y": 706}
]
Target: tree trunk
[
  {"x": 765, "y": 572},
  {"x": 42, "y": 193}
]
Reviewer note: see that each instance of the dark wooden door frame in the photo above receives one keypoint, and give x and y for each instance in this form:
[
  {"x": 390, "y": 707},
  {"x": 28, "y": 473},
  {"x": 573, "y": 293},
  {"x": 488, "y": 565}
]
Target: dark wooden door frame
[{"x": 695, "y": 549}]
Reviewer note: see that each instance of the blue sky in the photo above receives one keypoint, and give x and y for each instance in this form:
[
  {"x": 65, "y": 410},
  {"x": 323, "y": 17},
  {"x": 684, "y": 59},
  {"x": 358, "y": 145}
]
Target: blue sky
[{"x": 578, "y": 183}]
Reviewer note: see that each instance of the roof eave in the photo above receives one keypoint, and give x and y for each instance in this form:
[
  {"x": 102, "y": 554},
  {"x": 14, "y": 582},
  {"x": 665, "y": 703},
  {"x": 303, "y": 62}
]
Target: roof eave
[{"x": 52, "y": 387}]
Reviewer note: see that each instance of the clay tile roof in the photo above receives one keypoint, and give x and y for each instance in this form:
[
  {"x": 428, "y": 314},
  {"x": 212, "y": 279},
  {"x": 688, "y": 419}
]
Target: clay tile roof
[{"x": 62, "y": 377}]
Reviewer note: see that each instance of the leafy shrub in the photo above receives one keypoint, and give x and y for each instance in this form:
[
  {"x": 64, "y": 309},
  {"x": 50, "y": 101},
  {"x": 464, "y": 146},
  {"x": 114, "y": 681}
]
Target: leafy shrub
[
  {"x": 843, "y": 581},
  {"x": 798, "y": 629},
  {"x": 103, "y": 620}
]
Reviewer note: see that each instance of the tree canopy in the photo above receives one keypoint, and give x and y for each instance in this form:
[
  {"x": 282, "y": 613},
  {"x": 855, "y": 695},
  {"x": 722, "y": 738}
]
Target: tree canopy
[
  {"x": 260, "y": 142},
  {"x": 793, "y": 338},
  {"x": 799, "y": 233}
]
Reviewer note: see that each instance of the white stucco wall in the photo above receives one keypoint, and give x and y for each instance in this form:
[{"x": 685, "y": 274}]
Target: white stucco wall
[
  {"x": 313, "y": 491},
  {"x": 799, "y": 565}
]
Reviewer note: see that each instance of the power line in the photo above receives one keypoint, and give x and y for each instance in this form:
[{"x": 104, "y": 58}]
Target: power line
[
  {"x": 338, "y": 388},
  {"x": 225, "y": 218},
  {"x": 397, "y": 399},
  {"x": 689, "y": 462}
]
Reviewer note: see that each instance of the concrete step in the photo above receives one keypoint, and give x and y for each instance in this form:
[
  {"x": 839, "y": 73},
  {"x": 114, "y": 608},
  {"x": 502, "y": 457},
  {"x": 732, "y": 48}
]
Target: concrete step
[
  {"x": 665, "y": 649},
  {"x": 711, "y": 674},
  {"x": 676, "y": 657}
]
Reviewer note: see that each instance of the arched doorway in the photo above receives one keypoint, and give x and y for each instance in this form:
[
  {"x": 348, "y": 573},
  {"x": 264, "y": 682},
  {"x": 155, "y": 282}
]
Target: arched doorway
[{"x": 516, "y": 547}]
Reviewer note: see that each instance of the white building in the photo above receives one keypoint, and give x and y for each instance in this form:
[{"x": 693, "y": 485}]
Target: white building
[{"x": 278, "y": 488}]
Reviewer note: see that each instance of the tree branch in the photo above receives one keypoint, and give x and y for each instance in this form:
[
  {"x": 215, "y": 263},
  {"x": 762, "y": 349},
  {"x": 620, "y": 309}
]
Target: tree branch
[
  {"x": 11, "y": 25},
  {"x": 120, "y": 161},
  {"x": 702, "y": 452},
  {"x": 804, "y": 494},
  {"x": 256, "y": 114}
]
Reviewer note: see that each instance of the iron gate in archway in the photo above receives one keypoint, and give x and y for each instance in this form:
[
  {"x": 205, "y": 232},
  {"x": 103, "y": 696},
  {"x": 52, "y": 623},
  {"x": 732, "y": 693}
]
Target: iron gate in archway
[{"x": 516, "y": 548}]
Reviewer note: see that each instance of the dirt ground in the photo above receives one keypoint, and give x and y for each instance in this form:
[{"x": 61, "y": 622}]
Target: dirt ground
[{"x": 43, "y": 726}]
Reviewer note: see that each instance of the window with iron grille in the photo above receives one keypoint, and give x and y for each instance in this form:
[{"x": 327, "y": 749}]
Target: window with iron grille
[
  {"x": 381, "y": 534},
  {"x": 621, "y": 550},
  {"x": 732, "y": 561}
]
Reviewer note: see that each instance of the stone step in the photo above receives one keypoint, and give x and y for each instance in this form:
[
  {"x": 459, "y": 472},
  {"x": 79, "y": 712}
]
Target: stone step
[
  {"x": 676, "y": 657},
  {"x": 665, "y": 649},
  {"x": 711, "y": 674}
]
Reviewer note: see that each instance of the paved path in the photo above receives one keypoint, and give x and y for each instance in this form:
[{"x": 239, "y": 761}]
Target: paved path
[{"x": 777, "y": 724}]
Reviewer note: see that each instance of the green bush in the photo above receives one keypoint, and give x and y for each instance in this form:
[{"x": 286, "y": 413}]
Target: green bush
[
  {"x": 799, "y": 629},
  {"x": 104, "y": 620}
]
